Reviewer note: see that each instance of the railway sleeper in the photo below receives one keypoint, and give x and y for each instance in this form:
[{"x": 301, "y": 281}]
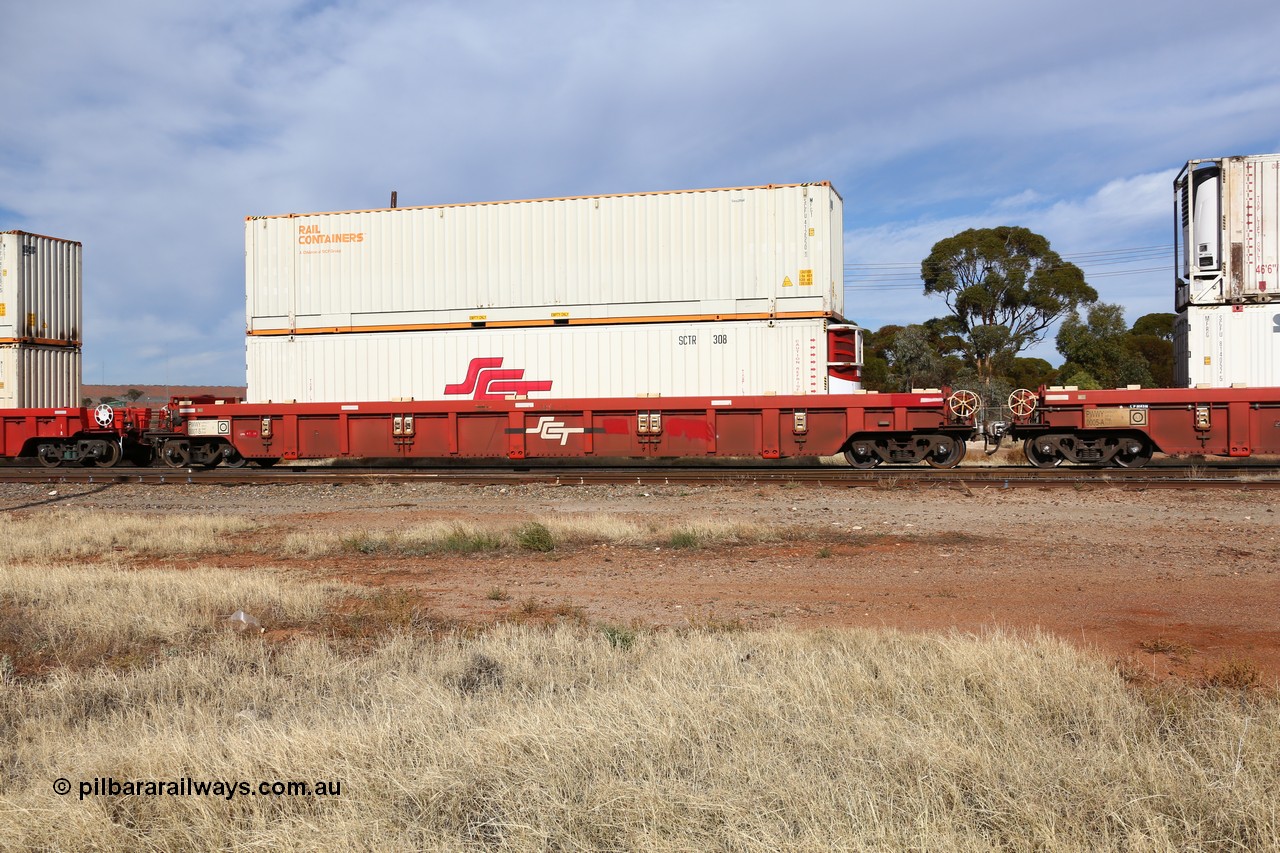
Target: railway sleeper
[
  {"x": 1122, "y": 449},
  {"x": 939, "y": 450}
]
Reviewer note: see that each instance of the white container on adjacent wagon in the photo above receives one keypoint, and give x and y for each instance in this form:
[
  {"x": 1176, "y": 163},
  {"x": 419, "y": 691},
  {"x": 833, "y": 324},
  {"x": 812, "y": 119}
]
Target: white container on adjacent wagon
[
  {"x": 724, "y": 359},
  {"x": 1219, "y": 346},
  {"x": 752, "y": 252},
  {"x": 39, "y": 377},
  {"x": 1227, "y": 232},
  {"x": 40, "y": 290}
]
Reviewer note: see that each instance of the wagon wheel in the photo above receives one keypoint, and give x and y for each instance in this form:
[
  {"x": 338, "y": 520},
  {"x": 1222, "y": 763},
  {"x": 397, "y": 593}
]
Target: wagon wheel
[
  {"x": 1023, "y": 402},
  {"x": 964, "y": 404},
  {"x": 1135, "y": 455},
  {"x": 861, "y": 460},
  {"x": 49, "y": 455},
  {"x": 175, "y": 454},
  {"x": 111, "y": 458},
  {"x": 947, "y": 454},
  {"x": 236, "y": 460},
  {"x": 1041, "y": 457}
]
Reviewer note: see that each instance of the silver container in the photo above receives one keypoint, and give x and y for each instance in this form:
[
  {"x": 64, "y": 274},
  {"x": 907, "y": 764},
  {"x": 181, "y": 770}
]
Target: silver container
[
  {"x": 753, "y": 252},
  {"x": 38, "y": 377},
  {"x": 725, "y": 359},
  {"x": 40, "y": 290},
  {"x": 1218, "y": 346},
  {"x": 1227, "y": 231}
]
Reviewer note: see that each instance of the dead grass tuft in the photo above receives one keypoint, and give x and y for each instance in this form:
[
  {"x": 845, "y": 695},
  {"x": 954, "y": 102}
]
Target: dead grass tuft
[
  {"x": 82, "y": 615},
  {"x": 78, "y": 534},
  {"x": 440, "y": 538},
  {"x": 1175, "y": 649},
  {"x": 1008, "y": 454},
  {"x": 482, "y": 672},
  {"x": 594, "y": 528},
  {"x": 538, "y": 535},
  {"x": 1234, "y": 675}
]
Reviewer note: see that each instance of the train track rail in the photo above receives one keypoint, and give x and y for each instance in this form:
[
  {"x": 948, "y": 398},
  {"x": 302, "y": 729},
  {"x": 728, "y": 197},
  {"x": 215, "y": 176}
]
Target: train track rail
[{"x": 1163, "y": 476}]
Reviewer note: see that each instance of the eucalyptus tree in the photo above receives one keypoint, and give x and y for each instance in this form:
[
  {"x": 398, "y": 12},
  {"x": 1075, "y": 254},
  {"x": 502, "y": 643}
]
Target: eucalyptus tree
[{"x": 1005, "y": 287}]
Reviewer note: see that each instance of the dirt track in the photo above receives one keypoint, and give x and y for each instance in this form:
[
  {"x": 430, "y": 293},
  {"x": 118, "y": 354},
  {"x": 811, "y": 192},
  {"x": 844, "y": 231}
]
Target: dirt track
[{"x": 1174, "y": 581}]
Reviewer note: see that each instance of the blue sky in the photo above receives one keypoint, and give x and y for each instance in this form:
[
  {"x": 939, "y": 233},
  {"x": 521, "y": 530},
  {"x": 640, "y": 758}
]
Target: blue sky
[{"x": 149, "y": 130}]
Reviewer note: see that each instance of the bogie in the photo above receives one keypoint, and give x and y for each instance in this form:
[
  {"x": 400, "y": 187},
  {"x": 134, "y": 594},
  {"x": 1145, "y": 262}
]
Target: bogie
[{"x": 939, "y": 450}]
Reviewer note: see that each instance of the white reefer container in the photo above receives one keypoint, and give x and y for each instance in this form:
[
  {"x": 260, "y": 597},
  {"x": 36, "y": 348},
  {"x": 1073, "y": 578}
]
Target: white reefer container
[
  {"x": 40, "y": 292},
  {"x": 1227, "y": 232},
  {"x": 1223, "y": 345},
  {"x": 38, "y": 377},
  {"x": 693, "y": 255},
  {"x": 727, "y": 359}
]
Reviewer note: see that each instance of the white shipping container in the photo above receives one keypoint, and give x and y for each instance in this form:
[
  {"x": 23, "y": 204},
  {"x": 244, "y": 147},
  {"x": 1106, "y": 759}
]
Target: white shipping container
[
  {"x": 696, "y": 254},
  {"x": 40, "y": 289},
  {"x": 728, "y": 358},
  {"x": 39, "y": 377},
  {"x": 1227, "y": 232},
  {"x": 1223, "y": 345}
]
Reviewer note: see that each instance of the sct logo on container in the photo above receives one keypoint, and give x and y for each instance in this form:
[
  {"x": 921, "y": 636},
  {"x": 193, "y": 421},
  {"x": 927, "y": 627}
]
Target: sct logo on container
[{"x": 487, "y": 381}]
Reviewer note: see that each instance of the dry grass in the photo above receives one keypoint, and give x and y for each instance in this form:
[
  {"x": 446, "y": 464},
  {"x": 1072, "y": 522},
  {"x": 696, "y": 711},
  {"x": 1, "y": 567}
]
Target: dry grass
[
  {"x": 587, "y": 739},
  {"x": 592, "y": 528},
  {"x": 581, "y": 737},
  {"x": 436, "y": 538},
  {"x": 540, "y": 534},
  {"x": 1007, "y": 454},
  {"x": 66, "y": 534},
  {"x": 78, "y": 616}
]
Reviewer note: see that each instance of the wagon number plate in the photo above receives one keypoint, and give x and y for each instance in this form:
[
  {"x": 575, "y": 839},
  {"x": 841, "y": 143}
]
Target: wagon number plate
[
  {"x": 209, "y": 427},
  {"x": 1120, "y": 417}
]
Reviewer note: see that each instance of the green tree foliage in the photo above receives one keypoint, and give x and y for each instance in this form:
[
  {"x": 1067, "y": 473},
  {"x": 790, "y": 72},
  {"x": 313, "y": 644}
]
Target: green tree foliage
[
  {"x": 1155, "y": 325},
  {"x": 1099, "y": 351},
  {"x": 1152, "y": 338},
  {"x": 1031, "y": 373},
  {"x": 914, "y": 361},
  {"x": 875, "y": 364},
  {"x": 1005, "y": 286},
  {"x": 923, "y": 355}
]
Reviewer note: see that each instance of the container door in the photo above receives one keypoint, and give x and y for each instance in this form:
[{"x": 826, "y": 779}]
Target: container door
[{"x": 844, "y": 358}]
